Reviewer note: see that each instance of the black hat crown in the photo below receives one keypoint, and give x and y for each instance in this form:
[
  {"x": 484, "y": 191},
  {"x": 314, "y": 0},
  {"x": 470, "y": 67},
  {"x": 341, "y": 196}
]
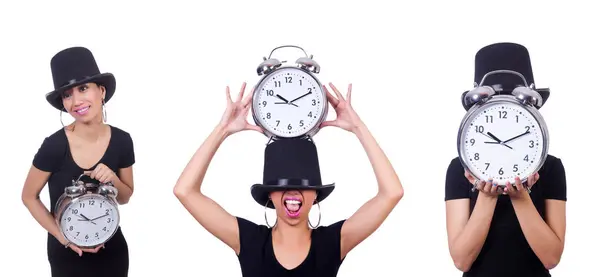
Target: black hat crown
[
  {"x": 292, "y": 159},
  {"x": 72, "y": 65},
  {"x": 290, "y": 164},
  {"x": 503, "y": 56},
  {"x": 75, "y": 66}
]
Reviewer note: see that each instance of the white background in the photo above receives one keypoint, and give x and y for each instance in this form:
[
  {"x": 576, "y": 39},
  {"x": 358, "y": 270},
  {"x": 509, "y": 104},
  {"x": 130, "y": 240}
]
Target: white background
[{"x": 409, "y": 64}]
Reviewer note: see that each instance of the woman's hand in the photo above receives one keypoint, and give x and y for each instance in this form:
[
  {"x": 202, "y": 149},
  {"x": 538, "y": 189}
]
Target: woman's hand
[
  {"x": 103, "y": 174},
  {"x": 80, "y": 251},
  {"x": 487, "y": 188},
  {"x": 347, "y": 118},
  {"x": 234, "y": 117},
  {"x": 521, "y": 190}
]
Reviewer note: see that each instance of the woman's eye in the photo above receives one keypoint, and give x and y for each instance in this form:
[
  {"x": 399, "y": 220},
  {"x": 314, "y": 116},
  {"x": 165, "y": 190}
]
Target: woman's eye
[{"x": 83, "y": 88}]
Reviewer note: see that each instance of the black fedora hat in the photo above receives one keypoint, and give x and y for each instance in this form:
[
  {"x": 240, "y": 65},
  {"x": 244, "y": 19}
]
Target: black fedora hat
[
  {"x": 72, "y": 67},
  {"x": 290, "y": 164},
  {"x": 505, "y": 56}
]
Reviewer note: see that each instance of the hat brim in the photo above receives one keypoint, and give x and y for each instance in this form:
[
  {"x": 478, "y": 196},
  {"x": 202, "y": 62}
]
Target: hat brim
[
  {"x": 261, "y": 192},
  {"x": 544, "y": 93},
  {"x": 105, "y": 79}
]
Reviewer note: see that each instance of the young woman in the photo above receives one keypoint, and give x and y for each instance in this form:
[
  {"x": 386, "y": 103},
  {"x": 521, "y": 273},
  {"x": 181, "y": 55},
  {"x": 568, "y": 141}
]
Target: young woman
[
  {"x": 506, "y": 232},
  {"x": 87, "y": 146},
  {"x": 291, "y": 247}
]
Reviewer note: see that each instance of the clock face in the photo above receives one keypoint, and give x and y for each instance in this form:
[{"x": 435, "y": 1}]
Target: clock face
[
  {"x": 90, "y": 220},
  {"x": 502, "y": 141},
  {"x": 289, "y": 102}
]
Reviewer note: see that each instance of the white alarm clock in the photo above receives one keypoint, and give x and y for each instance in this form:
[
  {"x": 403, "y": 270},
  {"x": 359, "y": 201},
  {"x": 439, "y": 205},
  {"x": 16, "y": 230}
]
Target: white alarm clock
[
  {"x": 289, "y": 101},
  {"x": 503, "y": 137},
  {"x": 87, "y": 214}
]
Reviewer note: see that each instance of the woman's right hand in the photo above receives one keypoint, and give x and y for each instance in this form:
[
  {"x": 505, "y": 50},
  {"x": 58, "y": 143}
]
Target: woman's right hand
[
  {"x": 78, "y": 250},
  {"x": 234, "y": 117},
  {"x": 487, "y": 188}
]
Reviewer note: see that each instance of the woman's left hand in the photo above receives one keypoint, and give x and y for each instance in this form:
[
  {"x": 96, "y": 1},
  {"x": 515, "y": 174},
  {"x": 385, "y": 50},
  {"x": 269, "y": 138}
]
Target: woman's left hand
[
  {"x": 347, "y": 118},
  {"x": 102, "y": 173},
  {"x": 518, "y": 190}
]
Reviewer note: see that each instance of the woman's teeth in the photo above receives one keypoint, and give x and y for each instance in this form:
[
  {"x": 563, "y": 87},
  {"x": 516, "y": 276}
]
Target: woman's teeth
[
  {"x": 293, "y": 205},
  {"x": 82, "y": 110}
]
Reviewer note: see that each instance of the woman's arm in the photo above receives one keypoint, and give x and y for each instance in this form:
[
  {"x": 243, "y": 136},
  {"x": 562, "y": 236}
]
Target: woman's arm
[
  {"x": 547, "y": 240},
  {"x": 124, "y": 184},
  {"x": 466, "y": 234},
  {"x": 372, "y": 214},
  {"x": 34, "y": 183},
  {"x": 206, "y": 211}
]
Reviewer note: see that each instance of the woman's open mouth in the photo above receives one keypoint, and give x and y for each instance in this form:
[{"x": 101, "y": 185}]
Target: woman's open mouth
[{"x": 292, "y": 206}]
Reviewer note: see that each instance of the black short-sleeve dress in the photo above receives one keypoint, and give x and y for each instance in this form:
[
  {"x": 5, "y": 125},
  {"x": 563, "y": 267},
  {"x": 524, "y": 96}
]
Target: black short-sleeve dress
[
  {"x": 54, "y": 156},
  {"x": 505, "y": 251},
  {"x": 257, "y": 258}
]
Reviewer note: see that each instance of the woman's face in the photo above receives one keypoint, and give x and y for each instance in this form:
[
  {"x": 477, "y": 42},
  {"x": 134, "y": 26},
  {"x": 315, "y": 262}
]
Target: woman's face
[
  {"x": 293, "y": 206},
  {"x": 84, "y": 102}
]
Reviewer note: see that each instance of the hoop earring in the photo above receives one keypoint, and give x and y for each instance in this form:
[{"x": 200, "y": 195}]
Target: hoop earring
[
  {"x": 319, "y": 222},
  {"x": 266, "y": 220},
  {"x": 61, "y": 122},
  {"x": 104, "y": 117}
]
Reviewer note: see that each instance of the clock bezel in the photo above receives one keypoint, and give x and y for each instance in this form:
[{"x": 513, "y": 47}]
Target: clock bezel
[
  {"x": 496, "y": 99},
  {"x": 310, "y": 132}
]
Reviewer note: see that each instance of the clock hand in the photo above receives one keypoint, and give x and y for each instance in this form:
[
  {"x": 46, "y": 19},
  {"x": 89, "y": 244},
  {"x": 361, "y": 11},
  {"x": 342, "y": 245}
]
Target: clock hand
[
  {"x": 99, "y": 217},
  {"x": 85, "y": 219},
  {"x": 285, "y": 101},
  {"x": 498, "y": 141},
  {"x": 516, "y": 137},
  {"x": 289, "y": 103},
  {"x": 494, "y": 142},
  {"x": 281, "y": 97},
  {"x": 494, "y": 137},
  {"x": 310, "y": 92}
]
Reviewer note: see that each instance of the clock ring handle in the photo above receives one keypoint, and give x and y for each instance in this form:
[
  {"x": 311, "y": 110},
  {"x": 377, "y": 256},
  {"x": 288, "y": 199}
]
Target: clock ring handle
[
  {"x": 290, "y": 46},
  {"x": 78, "y": 181},
  {"x": 504, "y": 71}
]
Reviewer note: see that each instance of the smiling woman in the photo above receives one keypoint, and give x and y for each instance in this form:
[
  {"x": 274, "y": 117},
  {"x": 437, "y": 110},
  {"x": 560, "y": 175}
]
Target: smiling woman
[{"x": 88, "y": 147}]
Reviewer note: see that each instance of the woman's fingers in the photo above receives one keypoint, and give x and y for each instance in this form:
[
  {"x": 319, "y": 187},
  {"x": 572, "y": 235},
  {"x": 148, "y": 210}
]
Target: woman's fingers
[
  {"x": 246, "y": 100},
  {"x": 241, "y": 94},
  {"x": 349, "y": 94},
  {"x": 337, "y": 92},
  {"x": 253, "y": 127},
  {"x": 334, "y": 101},
  {"x": 329, "y": 123},
  {"x": 228, "y": 95}
]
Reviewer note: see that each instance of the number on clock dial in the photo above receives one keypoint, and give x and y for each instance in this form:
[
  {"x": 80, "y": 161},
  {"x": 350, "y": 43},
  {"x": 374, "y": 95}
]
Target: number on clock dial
[
  {"x": 89, "y": 221},
  {"x": 520, "y": 146},
  {"x": 289, "y": 102}
]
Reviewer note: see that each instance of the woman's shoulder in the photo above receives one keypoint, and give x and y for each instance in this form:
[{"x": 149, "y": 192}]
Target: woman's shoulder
[
  {"x": 550, "y": 164},
  {"x": 119, "y": 133},
  {"x": 56, "y": 139}
]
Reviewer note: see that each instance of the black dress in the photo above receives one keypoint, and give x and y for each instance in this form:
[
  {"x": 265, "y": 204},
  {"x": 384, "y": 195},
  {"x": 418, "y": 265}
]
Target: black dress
[
  {"x": 54, "y": 156},
  {"x": 505, "y": 238},
  {"x": 257, "y": 258}
]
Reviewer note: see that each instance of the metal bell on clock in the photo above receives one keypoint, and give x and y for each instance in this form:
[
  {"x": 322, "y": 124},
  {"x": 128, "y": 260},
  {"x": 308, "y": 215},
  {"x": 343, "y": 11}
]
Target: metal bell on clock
[
  {"x": 75, "y": 190},
  {"x": 478, "y": 94},
  {"x": 107, "y": 190},
  {"x": 528, "y": 96}
]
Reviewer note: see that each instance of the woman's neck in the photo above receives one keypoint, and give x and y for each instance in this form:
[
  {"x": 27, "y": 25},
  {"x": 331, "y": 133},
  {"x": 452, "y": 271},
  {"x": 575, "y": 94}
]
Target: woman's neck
[
  {"x": 291, "y": 234},
  {"x": 89, "y": 131}
]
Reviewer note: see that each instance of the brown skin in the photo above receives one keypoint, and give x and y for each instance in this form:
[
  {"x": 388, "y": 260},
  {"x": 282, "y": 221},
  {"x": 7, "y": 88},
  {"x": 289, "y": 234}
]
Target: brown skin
[
  {"x": 467, "y": 233},
  {"x": 291, "y": 238},
  {"x": 88, "y": 138}
]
